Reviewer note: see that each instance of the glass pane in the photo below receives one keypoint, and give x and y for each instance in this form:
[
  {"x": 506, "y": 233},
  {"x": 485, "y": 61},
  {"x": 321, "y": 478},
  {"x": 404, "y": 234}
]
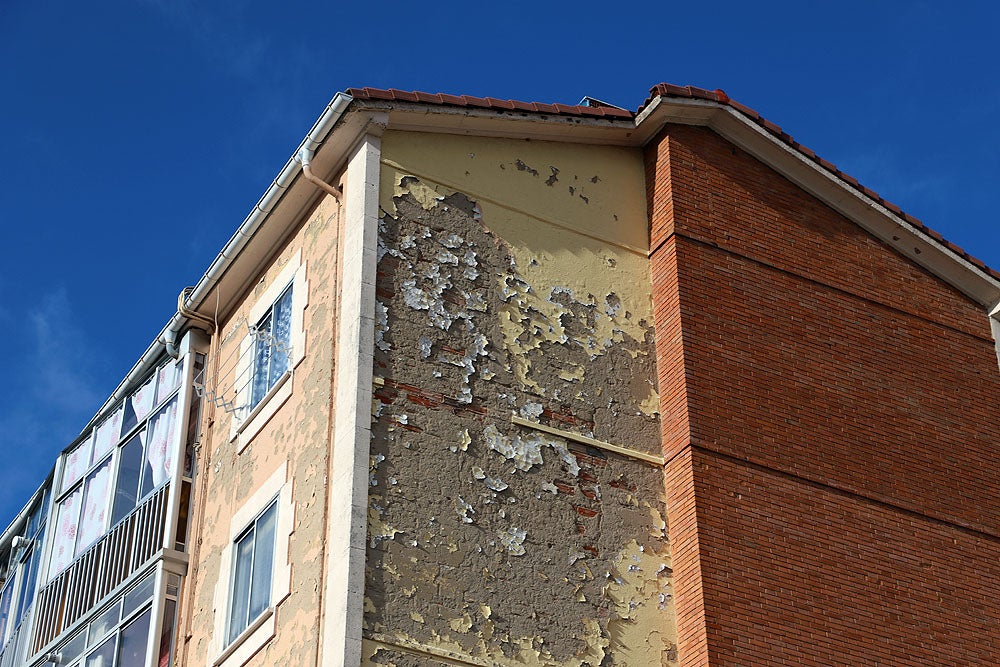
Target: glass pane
[
  {"x": 138, "y": 596},
  {"x": 130, "y": 465},
  {"x": 107, "y": 434},
  {"x": 103, "y": 624},
  {"x": 169, "y": 618},
  {"x": 167, "y": 380},
  {"x": 281, "y": 337},
  {"x": 5, "y": 601},
  {"x": 143, "y": 400},
  {"x": 261, "y": 360},
  {"x": 29, "y": 574},
  {"x": 132, "y": 652},
  {"x": 73, "y": 649},
  {"x": 103, "y": 656},
  {"x": 38, "y": 514},
  {"x": 66, "y": 529},
  {"x": 160, "y": 447},
  {"x": 93, "y": 518},
  {"x": 263, "y": 558},
  {"x": 77, "y": 462},
  {"x": 241, "y": 586}
]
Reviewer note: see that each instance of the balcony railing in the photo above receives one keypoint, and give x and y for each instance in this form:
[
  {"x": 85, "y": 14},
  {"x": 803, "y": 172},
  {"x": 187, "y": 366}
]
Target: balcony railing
[
  {"x": 100, "y": 569},
  {"x": 10, "y": 653}
]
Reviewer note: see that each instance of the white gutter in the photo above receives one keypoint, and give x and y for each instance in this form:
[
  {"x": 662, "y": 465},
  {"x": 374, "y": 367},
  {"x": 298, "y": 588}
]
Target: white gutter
[
  {"x": 256, "y": 218},
  {"x": 168, "y": 337}
]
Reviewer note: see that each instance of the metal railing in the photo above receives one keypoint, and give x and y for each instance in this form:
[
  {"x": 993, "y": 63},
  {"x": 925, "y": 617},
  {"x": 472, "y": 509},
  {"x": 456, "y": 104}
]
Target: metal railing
[
  {"x": 100, "y": 569},
  {"x": 11, "y": 652}
]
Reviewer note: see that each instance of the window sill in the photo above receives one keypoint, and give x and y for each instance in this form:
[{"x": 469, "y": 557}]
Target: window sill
[
  {"x": 245, "y": 635},
  {"x": 262, "y": 412}
]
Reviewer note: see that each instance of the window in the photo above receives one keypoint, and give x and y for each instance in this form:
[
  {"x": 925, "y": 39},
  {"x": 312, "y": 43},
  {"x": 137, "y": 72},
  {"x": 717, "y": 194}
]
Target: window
[
  {"x": 120, "y": 462},
  {"x": 272, "y": 346},
  {"x": 119, "y": 635},
  {"x": 253, "y": 563},
  {"x": 255, "y": 576}
]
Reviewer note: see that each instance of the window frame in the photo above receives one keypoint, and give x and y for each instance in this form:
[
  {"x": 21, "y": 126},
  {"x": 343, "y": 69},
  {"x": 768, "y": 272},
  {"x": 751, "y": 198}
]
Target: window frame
[
  {"x": 112, "y": 458},
  {"x": 271, "y": 317},
  {"x": 261, "y": 629},
  {"x": 232, "y": 634},
  {"x": 249, "y": 417}
]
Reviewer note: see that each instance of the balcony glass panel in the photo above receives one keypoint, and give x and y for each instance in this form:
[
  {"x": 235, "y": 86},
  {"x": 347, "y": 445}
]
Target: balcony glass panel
[{"x": 95, "y": 507}]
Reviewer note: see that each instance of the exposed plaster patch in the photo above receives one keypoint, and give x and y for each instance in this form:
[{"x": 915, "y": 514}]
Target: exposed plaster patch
[
  {"x": 555, "y": 497},
  {"x": 512, "y": 540},
  {"x": 381, "y": 327},
  {"x": 464, "y": 509}
]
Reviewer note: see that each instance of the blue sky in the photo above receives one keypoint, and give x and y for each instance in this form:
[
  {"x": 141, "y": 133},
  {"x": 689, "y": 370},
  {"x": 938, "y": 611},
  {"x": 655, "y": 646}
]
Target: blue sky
[{"x": 138, "y": 134}]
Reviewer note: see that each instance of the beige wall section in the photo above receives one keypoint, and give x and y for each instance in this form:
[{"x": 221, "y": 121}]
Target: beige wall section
[
  {"x": 293, "y": 444},
  {"x": 513, "y": 279}
]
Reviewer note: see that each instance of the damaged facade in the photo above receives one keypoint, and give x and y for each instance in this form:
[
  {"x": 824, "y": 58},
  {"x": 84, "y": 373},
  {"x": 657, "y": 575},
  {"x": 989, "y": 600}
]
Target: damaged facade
[{"x": 493, "y": 383}]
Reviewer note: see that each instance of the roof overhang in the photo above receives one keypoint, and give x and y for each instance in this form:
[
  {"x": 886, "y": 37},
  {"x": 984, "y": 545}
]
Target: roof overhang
[
  {"x": 850, "y": 201},
  {"x": 513, "y": 124}
]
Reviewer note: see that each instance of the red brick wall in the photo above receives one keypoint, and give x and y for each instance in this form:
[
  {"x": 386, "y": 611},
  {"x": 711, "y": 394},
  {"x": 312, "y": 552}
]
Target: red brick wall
[
  {"x": 796, "y": 574},
  {"x": 855, "y": 394}
]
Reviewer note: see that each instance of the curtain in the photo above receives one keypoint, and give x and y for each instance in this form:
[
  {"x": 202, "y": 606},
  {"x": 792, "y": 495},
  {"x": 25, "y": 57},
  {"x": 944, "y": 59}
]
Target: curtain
[
  {"x": 65, "y": 534},
  {"x": 77, "y": 462},
  {"x": 168, "y": 379},
  {"x": 144, "y": 399},
  {"x": 281, "y": 337},
  {"x": 95, "y": 507},
  {"x": 262, "y": 361},
  {"x": 159, "y": 445},
  {"x": 106, "y": 435}
]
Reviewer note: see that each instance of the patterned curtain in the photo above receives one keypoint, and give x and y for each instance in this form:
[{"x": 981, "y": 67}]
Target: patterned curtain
[
  {"x": 107, "y": 434},
  {"x": 65, "y": 534},
  {"x": 95, "y": 507},
  {"x": 144, "y": 399},
  {"x": 159, "y": 447},
  {"x": 77, "y": 462},
  {"x": 167, "y": 379}
]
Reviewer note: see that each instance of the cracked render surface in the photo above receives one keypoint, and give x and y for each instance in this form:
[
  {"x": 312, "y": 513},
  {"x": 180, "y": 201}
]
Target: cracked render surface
[{"x": 491, "y": 542}]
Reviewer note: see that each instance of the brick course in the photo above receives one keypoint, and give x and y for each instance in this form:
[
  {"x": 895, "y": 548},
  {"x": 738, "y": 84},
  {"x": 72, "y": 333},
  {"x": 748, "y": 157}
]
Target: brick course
[{"x": 829, "y": 413}]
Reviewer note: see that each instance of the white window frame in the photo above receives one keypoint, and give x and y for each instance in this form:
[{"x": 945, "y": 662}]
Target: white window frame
[
  {"x": 251, "y": 418},
  {"x": 114, "y": 456},
  {"x": 263, "y": 628},
  {"x": 251, "y": 532}
]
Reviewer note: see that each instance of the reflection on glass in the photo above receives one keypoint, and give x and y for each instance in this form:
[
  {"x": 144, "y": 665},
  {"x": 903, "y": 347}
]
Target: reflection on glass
[
  {"x": 139, "y": 595},
  {"x": 103, "y": 624},
  {"x": 6, "y": 595},
  {"x": 104, "y": 656},
  {"x": 169, "y": 619},
  {"x": 73, "y": 649},
  {"x": 132, "y": 652},
  {"x": 238, "y": 619},
  {"x": 130, "y": 470},
  {"x": 260, "y": 587}
]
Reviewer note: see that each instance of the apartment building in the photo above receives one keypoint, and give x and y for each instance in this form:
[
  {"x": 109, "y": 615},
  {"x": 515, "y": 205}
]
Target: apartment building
[{"x": 484, "y": 382}]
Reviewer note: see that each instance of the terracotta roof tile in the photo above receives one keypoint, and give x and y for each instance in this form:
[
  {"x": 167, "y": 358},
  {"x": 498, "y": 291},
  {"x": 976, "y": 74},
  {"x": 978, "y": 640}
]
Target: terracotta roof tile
[
  {"x": 393, "y": 95},
  {"x": 660, "y": 90}
]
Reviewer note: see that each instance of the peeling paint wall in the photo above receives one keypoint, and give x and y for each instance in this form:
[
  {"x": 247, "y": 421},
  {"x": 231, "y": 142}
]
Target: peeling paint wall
[
  {"x": 297, "y": 435},
  {"x": 513, "y": 280}
]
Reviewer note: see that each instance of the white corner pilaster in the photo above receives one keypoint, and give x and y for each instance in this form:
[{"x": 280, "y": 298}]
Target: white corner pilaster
[{"x": 346, "y": 530}]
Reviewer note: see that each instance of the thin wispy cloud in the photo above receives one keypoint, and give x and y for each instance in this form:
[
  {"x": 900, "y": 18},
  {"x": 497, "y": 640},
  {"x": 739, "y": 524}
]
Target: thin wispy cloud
[
  {"x": 48, "y": 400},
  {"x": 61, "y": 352}
]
